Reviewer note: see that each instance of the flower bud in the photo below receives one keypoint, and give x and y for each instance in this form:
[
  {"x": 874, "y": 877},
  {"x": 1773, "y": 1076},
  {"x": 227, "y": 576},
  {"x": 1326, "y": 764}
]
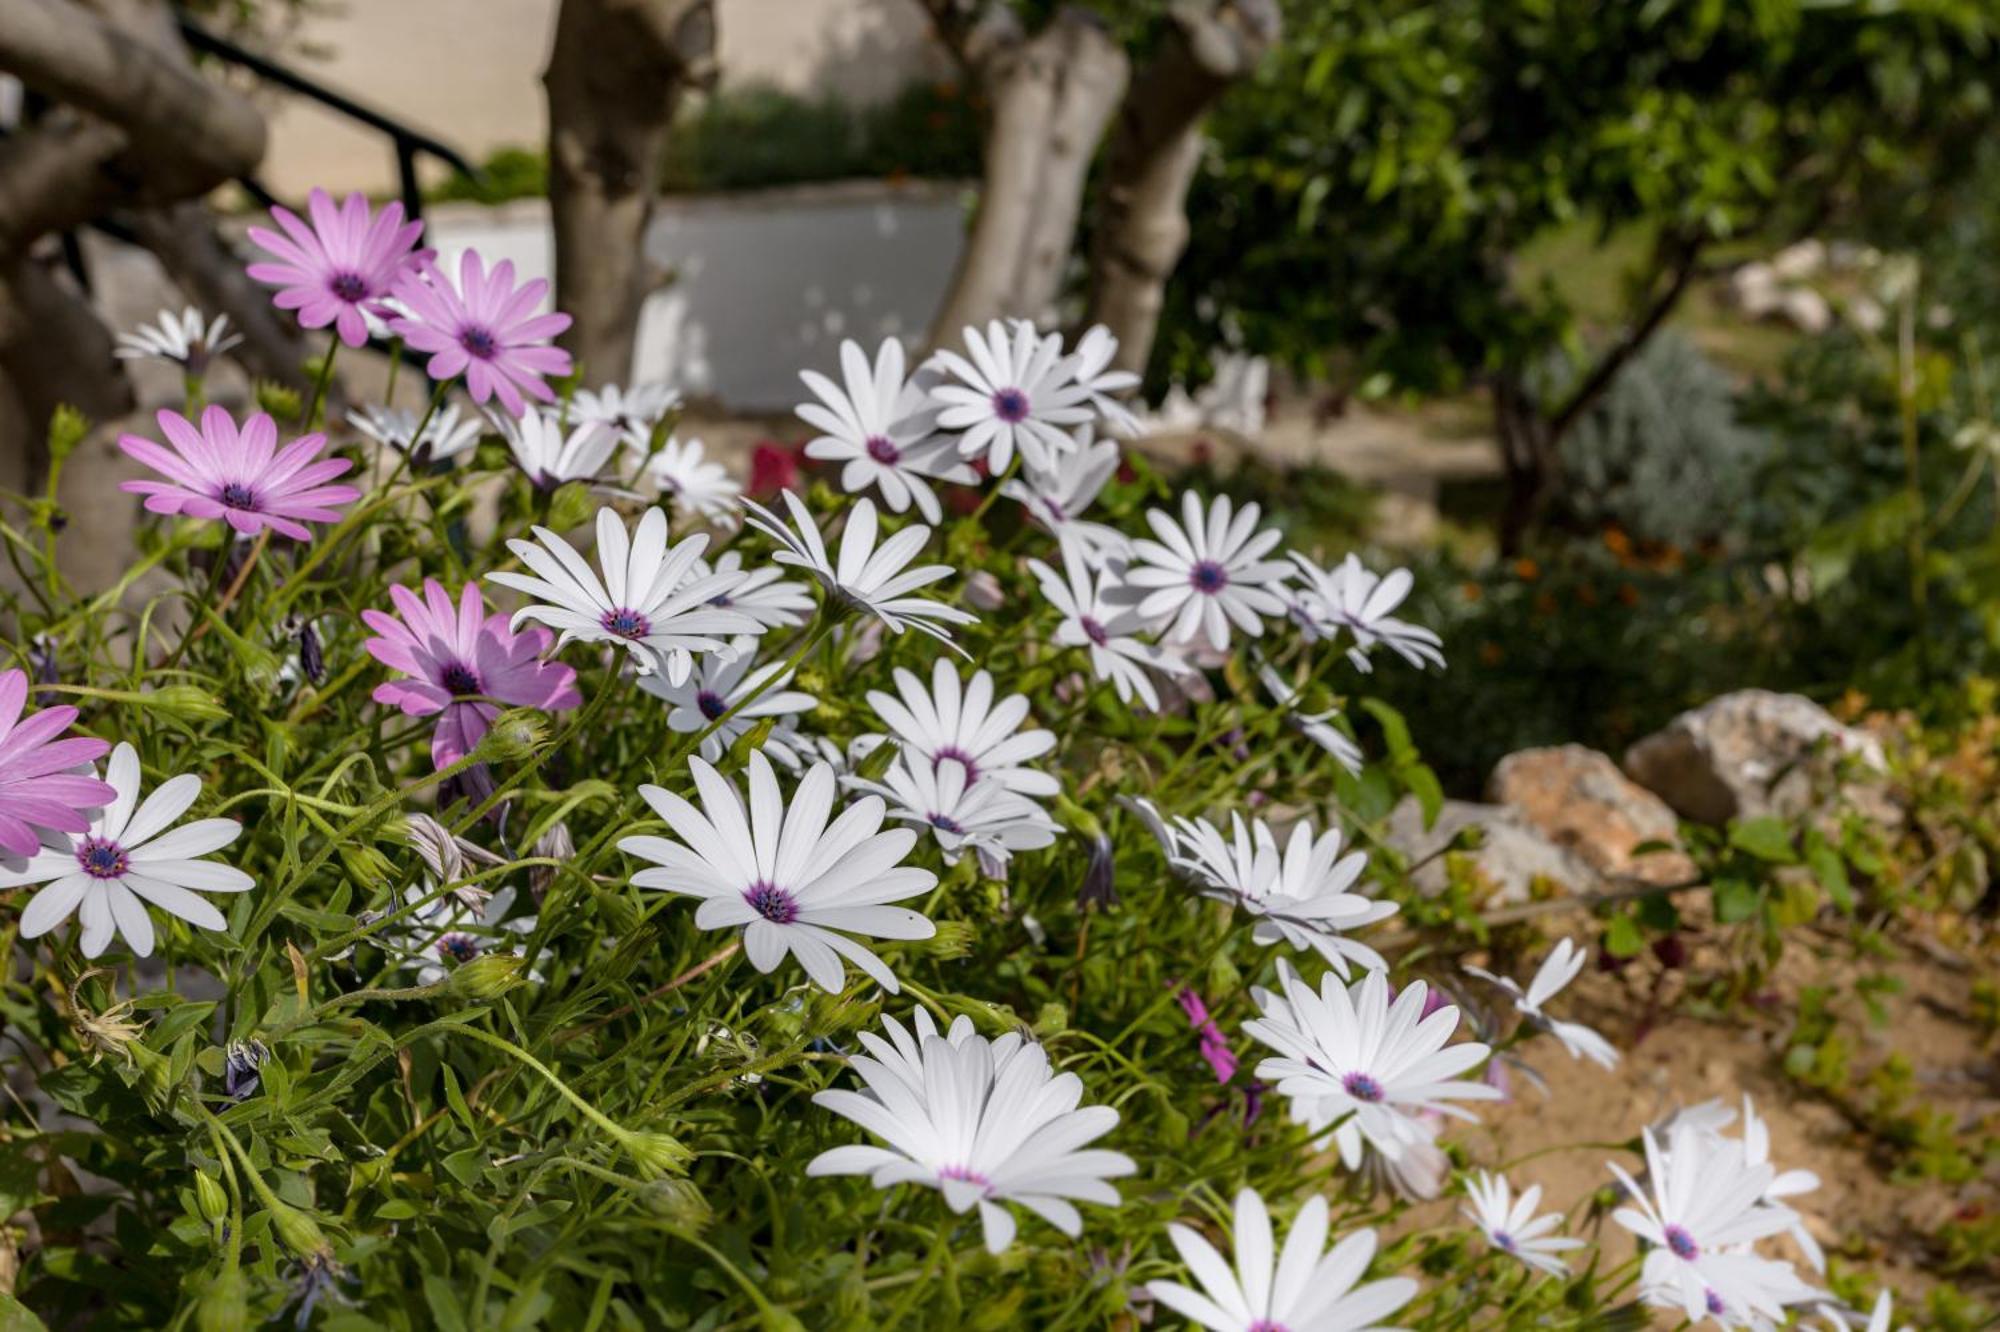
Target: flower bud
[
  {"x": 488, "y": 976},
  {"x": 554, "y": 844},
  {"x": 656, "y": 1153},
  {"x": 225, "y": 1304},
  {"x": 297, "y": 1231},
  {"x": 954, "y": 938},
  {"x": 185, "y": 702},
  {"x": 516, "y": 736},
  {"x": 210, "y": 1199},
  {"x": 67, "y": 427},
  {"x": 571, "y": 507},
  {"x": 679, "y": 1202},
  {"x": 983, "y": 591}
]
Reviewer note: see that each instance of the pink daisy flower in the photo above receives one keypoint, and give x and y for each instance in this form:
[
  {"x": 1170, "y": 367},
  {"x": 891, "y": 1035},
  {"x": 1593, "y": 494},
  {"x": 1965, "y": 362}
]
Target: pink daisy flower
[
  {"x": 337, "y": 270},
  {"x": 463, "y": 664},
  {"x": 241, "y": 475},
  {"x": 39, "y": 784},
  {"x": 485, "y": 328}
]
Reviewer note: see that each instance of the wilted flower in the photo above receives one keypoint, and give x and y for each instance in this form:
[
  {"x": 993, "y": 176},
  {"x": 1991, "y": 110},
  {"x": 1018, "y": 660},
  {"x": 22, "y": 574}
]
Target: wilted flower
[{"x": 242, "y": 1066}]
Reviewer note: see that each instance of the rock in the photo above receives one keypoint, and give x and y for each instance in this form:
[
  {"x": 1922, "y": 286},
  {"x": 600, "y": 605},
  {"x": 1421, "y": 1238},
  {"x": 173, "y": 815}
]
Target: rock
[
  {"x": 1511, "y": 857},
  {"x": 1753, "y": 753},
  {"x": 1579, "y": 800}
]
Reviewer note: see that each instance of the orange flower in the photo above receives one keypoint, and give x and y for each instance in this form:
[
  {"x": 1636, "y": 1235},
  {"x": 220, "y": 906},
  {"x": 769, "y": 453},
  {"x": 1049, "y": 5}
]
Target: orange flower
[
  {"x": 1490, "y": 653},
  {"x": 1586, "y": 594},
  {"x": 1628, "y": 594},
  {"x": 1545, "y": 604},
  {"x": 1617, "y": 542},
  {"x": 1527, "y": 570},
  {"x": 1471, "y": 591}
]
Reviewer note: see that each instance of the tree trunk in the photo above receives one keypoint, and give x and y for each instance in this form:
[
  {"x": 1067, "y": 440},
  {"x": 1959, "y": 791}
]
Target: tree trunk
[
  {"x": 615, "y": 76},
  {"x": 1143, "y": 228},
  {"x": 135, "y": 127},
  {"x": 184, "y": 239},
  {"x": 1528, "y": 445},
  {"x": 1051, "y": 96}
]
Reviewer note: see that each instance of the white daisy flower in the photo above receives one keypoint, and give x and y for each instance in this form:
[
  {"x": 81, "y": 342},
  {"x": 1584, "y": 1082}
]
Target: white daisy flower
[
  {"x": 630, "y": 413},
  {"x": 1301, "y": 898},
  {"x": 883, "y": 430},
  {"x": 1315, "y": 726},
  {"x": 1348, "y": 1053},
  {"x": 1699, "y": 1218},
  {"x": 1094, "y": 621},
  {"x": 1018, "y": 391},
  {"x": 984, "y": 1122},
  {"x": 982, "y": 816},
  {"x": 1879, "y": 1319},
  {"x": 1054, "y": 496},
  {"x": 877, "y": 580},
  {"x": 1351, "y": 597},
  {"x": 1203, "y": 574},
  {"x": 446, "y": 434},
  {"x": 700, "y": 488},
  {"x": 721, "y": 683},
  {"x": 1563, "y": 964},
  {"x": 1511, "y": 1226},
  {"x": 763, "y": 595},
  {"x": 1093, "y": 355},
  {"x": 447, "y": 933},
  {"x": 649, "y": 600},
  {"x": 549, "y": 456},
  {"x": 184, "y": 340},
  {"x": 128, "y": 860},
  {"x": 1306, "y": 1289},
  {"x": 795, "y": 884},
  {"x": 962, "y": 722},
  {"x": 1785, "y": 1184}
]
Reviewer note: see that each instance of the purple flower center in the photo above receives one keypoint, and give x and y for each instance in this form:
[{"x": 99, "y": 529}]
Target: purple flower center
[
  {"x": 882, "y": 451},
  {"x": 236, "y": 495},
  {"x": 1682, "y": 1244},
  {"x": 1011, "y": 405},
  {"x": 1208, "y": 577},
  {"x": 1095, "y": 631},
  {"x": 102, "y": 859},
  {"x": 1362, "y": 1087},
  {"x": 626, "y": 623},
  {"x": 1266, "y": 1325},
  {"x": 712, "y": 704},
  {"x": 965, "y": 1174},
  {"x": 1054, "y": 509},
  {"x": 349, "y": 287},
  {"x": 1503, "y": 1241},
  {"x": 458, "y": 948},
  {"x": 946, "y": 823},
  {"x": 1715, "y": 1304},
  {"x": 772, "y": 903},
  {"x": 960, "y": 757},
  {"x": 460, "y": 679},
  {"x": 478, "y": 342}
]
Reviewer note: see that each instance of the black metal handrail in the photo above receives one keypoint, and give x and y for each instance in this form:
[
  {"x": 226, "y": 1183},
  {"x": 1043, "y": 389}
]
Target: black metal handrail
[{"x": 408, "y": 142}]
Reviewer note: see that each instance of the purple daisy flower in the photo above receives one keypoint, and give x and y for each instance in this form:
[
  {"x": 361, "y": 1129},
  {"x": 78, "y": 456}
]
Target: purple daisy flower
[
  {"x": 221, "y": 471},
  {"x": 337, "y": 270},
  {"x": 484, "y": 328},
  {"x": 462, "y": 664},
  {"x": 40, "y": 786}
]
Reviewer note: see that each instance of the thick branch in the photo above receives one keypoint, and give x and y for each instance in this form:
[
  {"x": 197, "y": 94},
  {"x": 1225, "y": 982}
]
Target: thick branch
[
  {"x": 1153, "y": 157},
  {"x": 1682, "y": 258},
  {"x": 615, "y": 75},
  {"x": 192, "y": 134},
  {"x": 1093, "y": 73}
]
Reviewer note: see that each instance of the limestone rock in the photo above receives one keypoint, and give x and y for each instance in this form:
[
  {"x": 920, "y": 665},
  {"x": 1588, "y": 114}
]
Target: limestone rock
[
  {"x": 1579, "y": 800},
  {"x": 1753, "y": 753},
  {"x": 1511, "y": 856}
]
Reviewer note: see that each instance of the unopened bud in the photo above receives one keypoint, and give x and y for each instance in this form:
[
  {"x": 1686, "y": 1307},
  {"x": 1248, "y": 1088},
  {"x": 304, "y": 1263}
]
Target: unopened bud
[
  {"x": 185, "y": 702},
  {"x": 954, "y": 938},
  {"x": 210, "y": 1199},
  {"x": 298, "y": 1232},
  {"x": 656, "y": 1153},
  {"x": 983, "y": 591},
  {"x": 554, "y": 844},
  {"x": 225, "y": 1305},
  {"x": 679, "y": 1202},
  {"x": 516, "y": 736},
  {"x": 488, "y": 976}
]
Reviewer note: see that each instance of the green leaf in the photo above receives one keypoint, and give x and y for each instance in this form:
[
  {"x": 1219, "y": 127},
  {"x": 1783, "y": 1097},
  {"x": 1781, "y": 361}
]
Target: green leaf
[
  {"x": 455, "y": 1098},
  {"x": 16, "y": 1317},
  {"x": 1830, "y": 870},
  {"x": 1735, "y": 901},
  {"x": 1768, "y": 839},
  {"x": 443, "y": 1302},
  {"x": 1623, "y": 937}
]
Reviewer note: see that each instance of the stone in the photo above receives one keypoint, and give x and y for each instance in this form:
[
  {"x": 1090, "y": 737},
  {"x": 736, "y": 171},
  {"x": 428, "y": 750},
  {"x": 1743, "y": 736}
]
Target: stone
[
  {"x": 1579, "y": 800},
  {"x": 1753, "y": 753},
  {"x": 1511, "y": 856}
]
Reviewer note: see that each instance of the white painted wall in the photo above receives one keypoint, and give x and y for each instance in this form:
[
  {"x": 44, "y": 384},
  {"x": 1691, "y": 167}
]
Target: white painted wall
[{"x": 766, "y": 284}]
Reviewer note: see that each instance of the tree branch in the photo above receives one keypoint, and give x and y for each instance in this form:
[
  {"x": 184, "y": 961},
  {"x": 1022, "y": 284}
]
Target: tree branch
[{"x": 1681, "y": 258}]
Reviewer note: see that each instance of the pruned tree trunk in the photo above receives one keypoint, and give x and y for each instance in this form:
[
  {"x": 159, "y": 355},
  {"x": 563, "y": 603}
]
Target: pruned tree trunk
[
  {"x": 185, "y": 241},
  {"x": 1143, "y": 226},
  {"x": 1051, "y": 96},
  {"x": 615, "y": 76}
]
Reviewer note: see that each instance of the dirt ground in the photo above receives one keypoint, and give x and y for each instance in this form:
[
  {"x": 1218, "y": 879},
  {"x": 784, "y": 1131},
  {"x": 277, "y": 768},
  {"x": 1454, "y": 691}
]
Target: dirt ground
[{"x": 1862, "y": 1216}]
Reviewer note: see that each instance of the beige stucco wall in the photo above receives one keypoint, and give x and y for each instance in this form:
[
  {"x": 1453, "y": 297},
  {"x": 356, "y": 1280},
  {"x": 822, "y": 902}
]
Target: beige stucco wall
[{"x": 468, "y": 71}]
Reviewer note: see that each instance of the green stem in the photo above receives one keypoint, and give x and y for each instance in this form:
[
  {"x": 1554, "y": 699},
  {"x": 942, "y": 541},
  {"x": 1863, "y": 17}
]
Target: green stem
[{"x": 318, "y": 398}]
